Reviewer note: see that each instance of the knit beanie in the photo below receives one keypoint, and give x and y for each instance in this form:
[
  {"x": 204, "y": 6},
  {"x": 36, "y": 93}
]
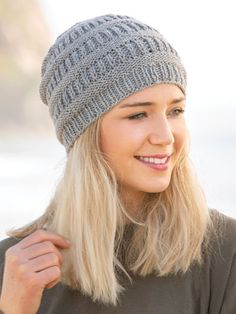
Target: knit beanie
[{"x": 98, "y": 62}]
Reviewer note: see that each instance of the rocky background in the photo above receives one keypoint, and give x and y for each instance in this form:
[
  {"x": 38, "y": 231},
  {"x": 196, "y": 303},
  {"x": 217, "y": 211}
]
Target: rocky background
[{"x": 24, "y": 40}]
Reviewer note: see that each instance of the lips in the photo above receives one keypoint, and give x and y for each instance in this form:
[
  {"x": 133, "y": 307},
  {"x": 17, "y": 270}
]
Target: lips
[
  {"x": 159, "y": 156},
  {"x": 158, "y": 163},
  {"x": 153, "y": 160}
]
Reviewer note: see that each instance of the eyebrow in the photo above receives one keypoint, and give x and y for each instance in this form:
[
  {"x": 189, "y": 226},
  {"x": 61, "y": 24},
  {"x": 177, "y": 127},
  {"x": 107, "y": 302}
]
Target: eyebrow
[{"x": 149, "y": 103}]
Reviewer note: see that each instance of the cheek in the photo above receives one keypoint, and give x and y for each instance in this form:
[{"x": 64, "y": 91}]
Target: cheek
[
  {"x": 181, "y": 138},
  {"x": 105, "y": 135},
  {"x": 120, "y": 139},
  {"x": 120, "y": 145},
  {"x": 113, "y": 142}
]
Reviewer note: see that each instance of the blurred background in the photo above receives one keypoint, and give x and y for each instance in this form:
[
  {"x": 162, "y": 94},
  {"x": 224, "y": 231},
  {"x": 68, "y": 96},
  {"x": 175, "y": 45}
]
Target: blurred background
[{"x": 31, "y": 158}]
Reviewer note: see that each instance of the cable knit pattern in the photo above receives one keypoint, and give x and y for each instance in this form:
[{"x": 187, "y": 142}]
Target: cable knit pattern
[{"x": 98, "y": 62}]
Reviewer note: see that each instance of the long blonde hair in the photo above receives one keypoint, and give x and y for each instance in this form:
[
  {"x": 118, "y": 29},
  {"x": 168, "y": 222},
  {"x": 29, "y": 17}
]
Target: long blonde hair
[{"x": 86, "y": 208}]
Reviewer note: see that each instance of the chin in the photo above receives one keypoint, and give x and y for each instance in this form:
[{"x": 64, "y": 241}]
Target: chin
[{"x": 158, "y": 188}]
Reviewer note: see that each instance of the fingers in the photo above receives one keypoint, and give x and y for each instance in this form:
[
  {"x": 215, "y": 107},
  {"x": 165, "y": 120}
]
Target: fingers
[
  {"x": 42, "y": 248},
  {"x": 42, "y": 262},
  {"x": 41, "y": 236},
  {"x": 45, "y": 267},
  {"x": 31, "y": 265},
  {"x": 36, "y": 282},
  {"x": 52, "y": 284},
  {"x": 36, "y": 256},
  {"x": 49, "y": 276}
]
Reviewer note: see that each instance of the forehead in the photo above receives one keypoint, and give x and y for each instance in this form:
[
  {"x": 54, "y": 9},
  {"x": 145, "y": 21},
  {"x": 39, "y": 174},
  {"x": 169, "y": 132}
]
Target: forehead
[{"x": 156, "y": 93}]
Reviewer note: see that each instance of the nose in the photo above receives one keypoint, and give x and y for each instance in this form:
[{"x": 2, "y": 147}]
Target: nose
[{"x": 161, "y": 132}]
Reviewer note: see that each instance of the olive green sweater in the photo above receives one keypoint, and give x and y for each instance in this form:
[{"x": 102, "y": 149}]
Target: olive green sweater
[{"x": 210, "y": 288}]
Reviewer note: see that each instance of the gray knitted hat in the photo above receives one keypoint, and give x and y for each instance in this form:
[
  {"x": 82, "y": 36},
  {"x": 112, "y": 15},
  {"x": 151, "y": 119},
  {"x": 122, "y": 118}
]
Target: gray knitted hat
[{"x": 98, "y": 62}]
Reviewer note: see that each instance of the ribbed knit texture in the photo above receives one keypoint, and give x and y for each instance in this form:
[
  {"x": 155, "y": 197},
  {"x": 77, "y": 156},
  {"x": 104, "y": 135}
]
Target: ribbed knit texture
[{"x": 98, "y": 62}]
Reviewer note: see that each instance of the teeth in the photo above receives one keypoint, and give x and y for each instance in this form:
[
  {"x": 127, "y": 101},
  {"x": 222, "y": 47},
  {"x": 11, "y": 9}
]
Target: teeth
[{"x": 152, "y": 160}]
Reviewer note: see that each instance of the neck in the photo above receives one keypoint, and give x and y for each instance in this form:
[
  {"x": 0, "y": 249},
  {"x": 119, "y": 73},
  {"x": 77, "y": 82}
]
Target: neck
[{"x": 132, "y": 200}]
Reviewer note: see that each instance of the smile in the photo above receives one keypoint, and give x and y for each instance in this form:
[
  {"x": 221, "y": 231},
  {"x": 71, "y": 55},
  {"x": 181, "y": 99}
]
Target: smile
[
  {"x": 151, "y": 160},
  {"x": 154, "y": 163}
]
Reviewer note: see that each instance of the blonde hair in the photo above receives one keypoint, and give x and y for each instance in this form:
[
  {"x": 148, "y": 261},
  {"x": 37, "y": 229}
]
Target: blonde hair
[{"x": 86, "y": 208}]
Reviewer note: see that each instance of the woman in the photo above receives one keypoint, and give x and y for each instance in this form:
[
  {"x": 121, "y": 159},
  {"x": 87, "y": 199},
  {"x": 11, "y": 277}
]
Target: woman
[{"x": 141, "y": 237}]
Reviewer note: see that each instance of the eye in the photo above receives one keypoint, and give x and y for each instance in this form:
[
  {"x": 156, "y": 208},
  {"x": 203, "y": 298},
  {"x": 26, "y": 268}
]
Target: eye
[
  {"x": 138, "y": 116},
  {"x": 176, "y": 112}
]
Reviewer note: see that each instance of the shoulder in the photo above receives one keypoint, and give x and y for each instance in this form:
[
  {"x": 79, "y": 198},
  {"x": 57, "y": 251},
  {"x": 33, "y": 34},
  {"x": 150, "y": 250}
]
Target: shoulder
[
  {"x": 222, "y": 265},
  {"x": 222, "y": 253},
  {"x": 225, "y": 230},
  {"x": 222, "y": 219}
]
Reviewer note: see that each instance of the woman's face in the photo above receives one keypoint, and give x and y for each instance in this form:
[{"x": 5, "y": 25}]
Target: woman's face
[{"x": 142, "y": 137}]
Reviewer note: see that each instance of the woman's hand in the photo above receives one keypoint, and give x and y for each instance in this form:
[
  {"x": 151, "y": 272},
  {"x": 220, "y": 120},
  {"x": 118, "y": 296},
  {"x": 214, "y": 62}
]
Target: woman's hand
[{"x": 31, "y": 265}]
